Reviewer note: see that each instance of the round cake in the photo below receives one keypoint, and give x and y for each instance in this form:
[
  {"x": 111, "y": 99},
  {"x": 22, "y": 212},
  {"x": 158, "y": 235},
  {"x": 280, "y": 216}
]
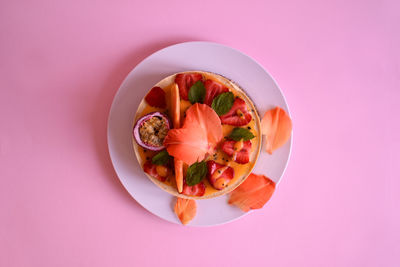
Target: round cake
[{"x": 196, "y": 135}]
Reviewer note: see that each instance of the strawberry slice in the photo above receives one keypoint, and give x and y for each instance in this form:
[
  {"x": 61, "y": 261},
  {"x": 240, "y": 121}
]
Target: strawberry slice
[
  {"x": 238, "y": 115},
  {"x": 155, "y": 170},
  {"x": 195, "y": 190},
  {"x": 213, "y": 89},
  {"x": 219, "y": 175},
  {"x": 239, "y": 151},
  {"x": 185, "y": 81},
  {"x": 156, "y": 98}
]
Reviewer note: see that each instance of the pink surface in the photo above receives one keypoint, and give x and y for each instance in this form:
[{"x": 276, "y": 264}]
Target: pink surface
[{"x": 61, "y": 204}]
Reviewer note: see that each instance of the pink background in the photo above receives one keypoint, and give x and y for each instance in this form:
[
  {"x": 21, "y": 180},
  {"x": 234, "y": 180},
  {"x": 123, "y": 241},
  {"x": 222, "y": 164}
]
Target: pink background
[{"x": 61, "y": 62}]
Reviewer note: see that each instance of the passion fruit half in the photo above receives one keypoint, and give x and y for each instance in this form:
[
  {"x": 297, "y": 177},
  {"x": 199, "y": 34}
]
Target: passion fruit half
[{"x": 150, "y": 130}]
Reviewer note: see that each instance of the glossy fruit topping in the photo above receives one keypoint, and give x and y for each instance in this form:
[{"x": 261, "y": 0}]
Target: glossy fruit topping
[
  {"x": 238, "y": 115},
  {"x": 219, "y": 175},
  {"x": 238, "y": 150}
]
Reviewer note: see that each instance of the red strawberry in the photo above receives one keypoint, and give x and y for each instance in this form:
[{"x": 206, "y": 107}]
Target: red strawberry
[
  {"x": 151, "y": 169},
  {"x": 219, "y": 175},
  {"x": 185, "y": 81},
  {"x": 156, "y": 98},
  {"x": 238, "y": 115},
  {"x": 196, "y": 190},
  {"x": 239, "y": 151},
  {"x": 213, "y": 89}
]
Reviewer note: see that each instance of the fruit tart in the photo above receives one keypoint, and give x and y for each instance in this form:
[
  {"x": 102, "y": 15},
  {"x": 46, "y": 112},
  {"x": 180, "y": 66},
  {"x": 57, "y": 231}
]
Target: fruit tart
[{"x": 197, "y": 135}]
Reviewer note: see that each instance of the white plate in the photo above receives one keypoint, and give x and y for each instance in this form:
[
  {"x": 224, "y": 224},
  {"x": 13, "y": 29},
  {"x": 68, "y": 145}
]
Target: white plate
[{"x": 245, "y": 71}]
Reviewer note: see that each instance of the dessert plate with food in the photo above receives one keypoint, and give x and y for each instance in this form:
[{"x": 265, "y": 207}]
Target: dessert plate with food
[{"x": 186, "y": 139}]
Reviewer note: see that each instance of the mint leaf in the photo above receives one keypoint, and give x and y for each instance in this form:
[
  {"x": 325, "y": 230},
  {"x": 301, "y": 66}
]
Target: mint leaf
[
  {"x": 223, "y": 103},
  {"x": 161, "y": 158},
  {"x": 197, "y": 92},
  {"x": 196, "y": 172},
  {"x": 241, "y": 133}
]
